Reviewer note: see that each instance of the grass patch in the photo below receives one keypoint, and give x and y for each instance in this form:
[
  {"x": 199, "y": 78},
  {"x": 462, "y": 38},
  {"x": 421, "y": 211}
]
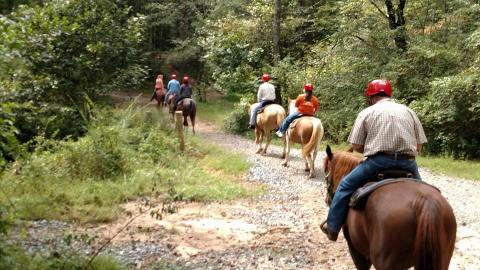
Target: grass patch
[
  {"x": 126, "y": 154},
  {"x": 216, "y": 111},
  {"x": 451, "y": 167}
]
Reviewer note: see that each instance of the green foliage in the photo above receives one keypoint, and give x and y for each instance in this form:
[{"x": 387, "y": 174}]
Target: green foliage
[
  {"x": 9, "y": 146},
  {"x": 55, "y": 57},
  {"x": 449, "y": 113},
  {"x": 237, "y": 120},
  {"x": 451, "y": 166},
  {"x": 216, "y": 111},
  {"x": 341, "y": 46},
  {"x": 125, "y": 154},
  {"x": 17, "y": 259}
]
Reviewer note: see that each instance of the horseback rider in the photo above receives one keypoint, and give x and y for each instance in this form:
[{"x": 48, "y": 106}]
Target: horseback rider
[
  {"x": 185, "y": 92},
  {"x": 389, "y": 135},
  {"x": 265, "y": 96},
  {"x": 173, "y": 87},
  {"x": 158, "y": 86},
  {"x": 306, "y": 104}
]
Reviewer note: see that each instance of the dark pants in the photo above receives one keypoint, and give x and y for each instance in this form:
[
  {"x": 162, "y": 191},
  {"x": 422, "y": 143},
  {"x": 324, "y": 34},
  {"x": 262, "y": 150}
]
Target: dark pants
[{"x": 288, "y": 120}]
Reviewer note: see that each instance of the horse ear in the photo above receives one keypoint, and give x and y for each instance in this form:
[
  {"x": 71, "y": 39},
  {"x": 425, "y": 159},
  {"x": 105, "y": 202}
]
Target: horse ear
[
  {"x": 350, "y": 149},
  {"x": 329, "y": 152}
]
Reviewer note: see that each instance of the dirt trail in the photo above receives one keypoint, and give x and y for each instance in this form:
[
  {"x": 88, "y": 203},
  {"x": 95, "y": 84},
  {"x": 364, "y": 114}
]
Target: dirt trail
[{"x": 278, "y": 230}]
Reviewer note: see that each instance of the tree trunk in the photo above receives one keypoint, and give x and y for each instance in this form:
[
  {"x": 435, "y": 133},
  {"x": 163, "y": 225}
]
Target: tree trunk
[
  {"x": 396, "y": 21},
  {"x": 276, "y": 43},
  {"x": 276, "y": 29}
]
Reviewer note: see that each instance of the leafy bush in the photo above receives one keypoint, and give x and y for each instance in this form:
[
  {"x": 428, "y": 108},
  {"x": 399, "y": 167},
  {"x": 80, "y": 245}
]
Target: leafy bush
[
  {"x": 55, "y": 57},
  {"x": 451, "y": 116},
  {"x": 237, "y": 120},
  {"x": 125, "y": 154},
  {"x": 9, "y": 145}
]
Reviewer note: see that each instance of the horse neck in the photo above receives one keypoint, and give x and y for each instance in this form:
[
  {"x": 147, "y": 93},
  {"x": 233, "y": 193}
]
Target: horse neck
[{"x": 342, "y": 164}]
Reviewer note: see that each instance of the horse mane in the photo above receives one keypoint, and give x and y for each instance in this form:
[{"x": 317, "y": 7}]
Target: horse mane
[{"x": 342, "y": 164}]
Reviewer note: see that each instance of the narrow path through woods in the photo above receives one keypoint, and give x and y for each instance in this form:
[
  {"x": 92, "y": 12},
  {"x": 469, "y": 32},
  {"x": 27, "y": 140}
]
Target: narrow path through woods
[{"x": 278, "y": 230}]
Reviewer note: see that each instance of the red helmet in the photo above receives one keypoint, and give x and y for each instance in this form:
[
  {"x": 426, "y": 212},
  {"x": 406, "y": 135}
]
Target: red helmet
[
  {"x": 185, "y": 79},
  {"x": 174, "y": 76},
  {"x": 379, "y": 86},
  {"x": 308, "y": 87},
  {"x": 265, "y": 77}
]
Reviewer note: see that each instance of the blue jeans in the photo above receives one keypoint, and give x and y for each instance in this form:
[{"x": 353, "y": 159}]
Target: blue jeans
[
  {"x": 288, "y": 121},
  {"x": 253, "y": 117},
  {"x": 363, "y": 173}
]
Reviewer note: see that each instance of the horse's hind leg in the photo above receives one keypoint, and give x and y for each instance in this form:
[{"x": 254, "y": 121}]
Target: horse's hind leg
[
  {"x": 258, "y": 140},
  {"x": 287, "y": 154},
  {"x": 192, "y": 119},
  {"x": 359, "y": 260},
  {"x": 269, "y": 138}
]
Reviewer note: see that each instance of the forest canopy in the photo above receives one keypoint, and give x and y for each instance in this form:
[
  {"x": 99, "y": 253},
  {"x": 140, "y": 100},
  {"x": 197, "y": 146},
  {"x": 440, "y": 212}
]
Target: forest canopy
[{"x": 57, "y": 58}]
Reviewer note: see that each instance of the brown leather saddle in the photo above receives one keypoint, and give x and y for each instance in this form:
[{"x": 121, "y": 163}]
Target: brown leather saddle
[
  {"x": 294, "y": 123},
  {"x": 360, "y": 197}
]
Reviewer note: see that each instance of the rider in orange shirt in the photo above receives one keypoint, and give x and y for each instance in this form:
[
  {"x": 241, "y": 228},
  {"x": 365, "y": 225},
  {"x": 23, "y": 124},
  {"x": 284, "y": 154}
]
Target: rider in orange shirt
[{"x": 307, "y": 104}]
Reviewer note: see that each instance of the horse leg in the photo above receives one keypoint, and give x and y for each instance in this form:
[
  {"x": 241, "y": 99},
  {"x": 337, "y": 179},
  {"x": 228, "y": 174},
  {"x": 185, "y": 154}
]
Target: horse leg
[
  {"x": 269, "y": 138},
  {"x": 358, "y": 259},
  {"x": 284, "y": 141},
  {"x": 287, "y": 154},
  {"x": 192, "y": 119},
  {"x": 259, "y": 140}
]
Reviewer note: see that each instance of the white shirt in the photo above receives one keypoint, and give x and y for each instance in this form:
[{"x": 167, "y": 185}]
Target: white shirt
[{"x": 266, "y": 91}]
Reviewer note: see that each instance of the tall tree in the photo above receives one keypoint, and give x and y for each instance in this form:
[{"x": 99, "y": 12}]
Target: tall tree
[
  {"x": 276, "y": 29},
  {"x": 396, "y": 21},
  {"x": 276, "y": 41}
]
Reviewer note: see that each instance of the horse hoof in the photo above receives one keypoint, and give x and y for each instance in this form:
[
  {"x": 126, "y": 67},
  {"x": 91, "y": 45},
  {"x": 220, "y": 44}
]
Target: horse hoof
[
  {"x": 307, "y": 169},
  {"x": 284, "y": 164}
]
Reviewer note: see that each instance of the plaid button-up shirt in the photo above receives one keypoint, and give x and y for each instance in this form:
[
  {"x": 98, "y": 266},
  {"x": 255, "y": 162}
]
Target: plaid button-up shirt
[{"x": 387, "y": 126}]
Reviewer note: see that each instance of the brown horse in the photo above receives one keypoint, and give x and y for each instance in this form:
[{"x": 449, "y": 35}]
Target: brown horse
[
  {"x": 271, "y": 118},
  {"x": 402, "y": 224},
  {"x": 307, "y": 131},
  {"x": 188, "y": 108},
  {"x": 160, "y": 97}
]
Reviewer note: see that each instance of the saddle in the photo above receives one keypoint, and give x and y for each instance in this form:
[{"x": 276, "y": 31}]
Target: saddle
[
  {"x": 264, "y": 107},
  {"x": 360, "y": 197},
  {"x": 294, "y": 123}
]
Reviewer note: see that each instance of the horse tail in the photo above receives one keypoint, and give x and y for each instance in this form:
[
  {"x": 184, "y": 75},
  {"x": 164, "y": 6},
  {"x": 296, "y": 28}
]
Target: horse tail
[
  {"x": 192, "y": 113},
  {"x": 317, "y": 134},
  {"x": 427, "y": 249}
]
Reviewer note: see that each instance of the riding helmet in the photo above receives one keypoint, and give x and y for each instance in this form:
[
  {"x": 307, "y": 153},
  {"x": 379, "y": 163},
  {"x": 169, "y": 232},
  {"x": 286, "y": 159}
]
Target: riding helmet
[
  {"x": 308, "y": 87},
  {"x": 379, "y": 86},
  {"x": 265, "y": 77}
]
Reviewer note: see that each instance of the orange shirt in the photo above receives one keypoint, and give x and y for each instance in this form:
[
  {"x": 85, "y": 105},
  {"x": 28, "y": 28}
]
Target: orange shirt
[{"x": 307, "y": 107}]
